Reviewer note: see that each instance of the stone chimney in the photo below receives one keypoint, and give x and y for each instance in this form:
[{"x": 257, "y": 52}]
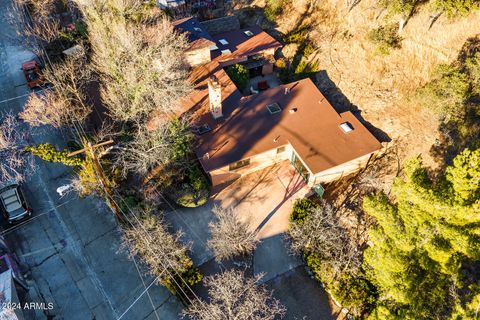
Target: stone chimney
[{"x": 215, "y": 96}]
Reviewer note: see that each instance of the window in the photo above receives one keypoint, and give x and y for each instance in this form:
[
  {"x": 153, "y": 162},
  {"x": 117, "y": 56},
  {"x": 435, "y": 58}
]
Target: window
[
  {"x": 346, "y": 127},
  {"x": 248, "y": 33},
  {"x": 239, "y": 164},
  {"x": 274, "y": 108},
  {"x": 223, "y": 41},
  {"x": 281, "y": 149}
]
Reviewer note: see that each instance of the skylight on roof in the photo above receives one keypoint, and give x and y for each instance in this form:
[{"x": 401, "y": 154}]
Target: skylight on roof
[
  {"x": 274, "y": 108},
  {"x": 346, "y": 127},
  {"x": 212, "y": 48},
  {"x": 223, "y": 41},
  {"x": 227, "y": 51},
  {"x": 248, "y": 33}
]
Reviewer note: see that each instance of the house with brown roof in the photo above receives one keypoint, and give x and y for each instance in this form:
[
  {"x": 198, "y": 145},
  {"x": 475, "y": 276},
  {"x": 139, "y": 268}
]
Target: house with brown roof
[{"x": 238, "y": 134}]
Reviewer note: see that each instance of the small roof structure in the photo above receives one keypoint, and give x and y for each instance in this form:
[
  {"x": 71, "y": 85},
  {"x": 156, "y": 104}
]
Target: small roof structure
[
  {"x": 307, "y": 121},
  {"x": 197, "y": 37},
  {"x": 243, "y": 43},
  {"x": 240, "y": 45}
]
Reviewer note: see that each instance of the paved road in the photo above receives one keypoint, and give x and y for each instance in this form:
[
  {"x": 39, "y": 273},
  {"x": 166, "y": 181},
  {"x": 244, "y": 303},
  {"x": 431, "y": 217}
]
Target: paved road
[{"x": 71, "y": 247}]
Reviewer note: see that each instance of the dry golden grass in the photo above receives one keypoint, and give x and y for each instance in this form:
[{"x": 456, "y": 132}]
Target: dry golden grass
[{"x": 380, "y": 86}]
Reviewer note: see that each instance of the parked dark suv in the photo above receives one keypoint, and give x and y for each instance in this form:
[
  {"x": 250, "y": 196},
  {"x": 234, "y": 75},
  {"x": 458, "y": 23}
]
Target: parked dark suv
[{"x": 13, "y": 203}]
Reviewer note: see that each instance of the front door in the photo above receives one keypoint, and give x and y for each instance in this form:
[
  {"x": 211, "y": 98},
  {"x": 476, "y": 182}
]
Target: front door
[{"x": 298, "y": 165}]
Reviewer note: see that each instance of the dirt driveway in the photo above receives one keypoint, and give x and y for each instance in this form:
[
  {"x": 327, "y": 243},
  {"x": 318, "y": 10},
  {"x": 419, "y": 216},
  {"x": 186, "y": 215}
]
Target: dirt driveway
[{"x": 265, "y": 198}]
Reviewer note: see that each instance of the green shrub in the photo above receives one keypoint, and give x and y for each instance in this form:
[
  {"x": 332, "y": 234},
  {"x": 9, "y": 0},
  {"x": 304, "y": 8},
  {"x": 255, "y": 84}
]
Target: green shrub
[
  {"x": 308, "y": 50},
  {"x": 298, "y": 37},
  {"x": 305, "y": 69},
  {"x": 356, "y": 294},
  {"x": 301, "y": 208},
  {"x": 273, "y": 9},
  {"x": 447, "y": 92},
  {"x": 48, "y": 152},
  {"x": 176, "y": 284},
  {"x": 239, "y": 75},
  {"x": 353, "y": 292},
  {"x": 454, "y": 8},
  {"x": 195, "y": 191},
  {"x": 386, "y": 38}
]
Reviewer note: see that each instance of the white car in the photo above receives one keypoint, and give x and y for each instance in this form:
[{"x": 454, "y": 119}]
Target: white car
[{"x": 13, "y": 203}]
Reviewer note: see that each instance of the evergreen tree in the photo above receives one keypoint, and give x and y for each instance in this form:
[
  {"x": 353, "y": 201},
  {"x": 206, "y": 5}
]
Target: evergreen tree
[{"x": 425, "y": 239}]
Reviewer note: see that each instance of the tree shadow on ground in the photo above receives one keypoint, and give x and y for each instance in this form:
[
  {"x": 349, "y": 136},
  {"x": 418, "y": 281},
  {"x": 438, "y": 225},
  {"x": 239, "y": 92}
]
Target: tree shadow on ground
[{"x": 342, "y": 104}]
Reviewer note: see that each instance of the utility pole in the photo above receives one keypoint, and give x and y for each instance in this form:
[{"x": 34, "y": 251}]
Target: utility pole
[{"x": 90, "y": 149}]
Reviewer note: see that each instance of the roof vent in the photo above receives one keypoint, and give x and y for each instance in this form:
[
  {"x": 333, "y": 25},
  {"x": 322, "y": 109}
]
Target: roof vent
[
  {"x": 223, "y": 41},
  {"x": 226, "y": 51},
  {"x": 197, "y": 29},
  {"x": 287, "y": 90},
  {"x": 346, "y": 127},
  {"x": 213, "y": 48},
  {"x": 248, "y": 33},
  {"x": 274, "y": 108},
  {"x": 293, "y": 110}
]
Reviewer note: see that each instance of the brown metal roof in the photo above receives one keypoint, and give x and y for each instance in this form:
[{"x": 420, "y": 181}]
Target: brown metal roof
[
  {"x": 313, "y": 130},
  {"x": 242, "y": 45}
]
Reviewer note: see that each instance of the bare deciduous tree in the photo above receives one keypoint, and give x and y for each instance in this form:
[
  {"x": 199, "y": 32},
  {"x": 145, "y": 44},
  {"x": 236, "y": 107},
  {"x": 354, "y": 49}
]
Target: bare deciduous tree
[
  {"x": 150, "y": 239},
  {"x": 140, "y": 63},
  {"x": 46, "y": 109},
  {"x": 42, "y": 25},
  {"x": 230, "y": 235},
  {"x": 322, "y": 233},
  {"x": 66, "y": 101},
  {"x": 151, "y": 148},
  {"x": 236, "y": 297},
  {"x": 14, "y": 162}
]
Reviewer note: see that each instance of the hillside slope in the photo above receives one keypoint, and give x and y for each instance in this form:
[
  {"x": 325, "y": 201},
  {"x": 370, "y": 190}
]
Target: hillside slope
[{"x": 381, "y": 86}]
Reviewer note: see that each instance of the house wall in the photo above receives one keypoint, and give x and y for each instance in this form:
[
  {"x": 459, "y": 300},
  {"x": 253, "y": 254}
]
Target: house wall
[
  {"x": 340, "y": 171},
  {"x": 257, "y": 162},
  {"x": 198, "y": 57},
  {"x": 269, "y": 158}
]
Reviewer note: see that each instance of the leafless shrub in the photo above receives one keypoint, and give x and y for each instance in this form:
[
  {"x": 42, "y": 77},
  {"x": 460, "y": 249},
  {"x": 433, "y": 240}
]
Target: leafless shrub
[
  {"x": 15, "y": 163},
  {"x": 236, "y": 297},
  {"x": 150, "y": 239},
  {"x": 230, "y": 236},
  {"x": 66, "y": 101},
  {"x": 322, "y": 234}
]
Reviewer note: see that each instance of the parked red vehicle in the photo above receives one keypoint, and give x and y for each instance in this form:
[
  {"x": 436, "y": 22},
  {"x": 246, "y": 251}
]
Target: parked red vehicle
[{"x": 33, "y": 74}]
